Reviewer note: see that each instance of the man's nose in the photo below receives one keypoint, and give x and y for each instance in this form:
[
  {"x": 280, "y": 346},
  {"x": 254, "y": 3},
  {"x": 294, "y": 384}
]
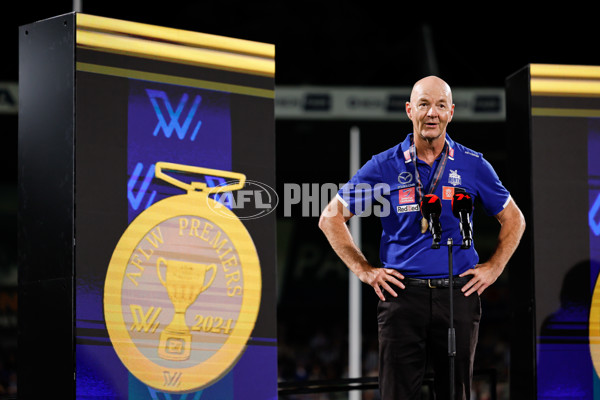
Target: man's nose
[{"x": 432, "y": 112}]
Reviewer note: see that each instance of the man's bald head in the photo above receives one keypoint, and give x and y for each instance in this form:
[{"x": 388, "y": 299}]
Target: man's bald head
[
  {"x": 430, "y": 83},
  {"x": 430, "y": 109}
]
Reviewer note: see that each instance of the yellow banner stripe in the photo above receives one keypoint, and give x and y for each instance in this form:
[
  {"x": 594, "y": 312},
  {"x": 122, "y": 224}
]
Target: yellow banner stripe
[
  {"x": 190, "y": 38},
  {"x": 564, "y": 71},
  {"x": 564, "y": 112},
  {"x": 175, "y": 80},
  {"x": 565, "y": 87},
  {"x": 565, "y": 80},
  {"x": 176, "y": 53}
]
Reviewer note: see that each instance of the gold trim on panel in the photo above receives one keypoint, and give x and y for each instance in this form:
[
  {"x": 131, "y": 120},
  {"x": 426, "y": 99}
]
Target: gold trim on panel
[
  {"x": 565, "y": 87},
  {"x": 174, "y": 45},
  {"x": 189, "y": 38},
  {"x": 564, "y": 71},
  {"x": 565, "y": 80}
]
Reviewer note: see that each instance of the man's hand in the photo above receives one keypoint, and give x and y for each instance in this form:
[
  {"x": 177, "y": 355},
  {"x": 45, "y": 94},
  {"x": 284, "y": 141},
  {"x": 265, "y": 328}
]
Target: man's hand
[
  {"x": 512, "y": 226},
  {"x": 378, "y": 278},
  {"x": 333, "y": 224},
  {"x": 483, "y": 276}
]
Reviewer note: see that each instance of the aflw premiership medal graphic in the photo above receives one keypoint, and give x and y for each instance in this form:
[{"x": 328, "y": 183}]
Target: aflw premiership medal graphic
[{"x": 183, "y": 287}]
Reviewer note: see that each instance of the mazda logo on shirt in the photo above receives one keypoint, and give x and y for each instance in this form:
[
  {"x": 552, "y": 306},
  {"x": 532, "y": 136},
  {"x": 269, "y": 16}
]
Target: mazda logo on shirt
[{"x": 405, "y": 178}]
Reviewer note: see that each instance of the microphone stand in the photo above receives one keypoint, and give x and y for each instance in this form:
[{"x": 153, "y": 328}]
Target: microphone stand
[{"x": 451, "y": 331}]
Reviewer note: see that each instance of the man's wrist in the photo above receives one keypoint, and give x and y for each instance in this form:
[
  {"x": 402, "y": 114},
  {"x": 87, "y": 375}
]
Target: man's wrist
[{"x": 362, "y": 269}]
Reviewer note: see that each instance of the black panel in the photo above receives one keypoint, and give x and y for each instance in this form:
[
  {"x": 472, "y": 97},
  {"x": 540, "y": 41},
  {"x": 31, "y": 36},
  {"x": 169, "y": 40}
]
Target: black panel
[
  {"x": 101, "y": 158},
  {"x": 522, "y": 303},
  {"x": 46, "y": 207},
  {"x": 250, "y": 132}
]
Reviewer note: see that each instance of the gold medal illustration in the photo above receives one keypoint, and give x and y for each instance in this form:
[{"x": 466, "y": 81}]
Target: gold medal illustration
[
  {"x": 183, "y": 287},
  {"x": 594, "y": 327}
]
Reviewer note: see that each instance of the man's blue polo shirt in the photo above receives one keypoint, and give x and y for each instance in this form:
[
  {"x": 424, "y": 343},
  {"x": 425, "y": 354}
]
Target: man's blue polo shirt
[{"x": 387, "y": 183}]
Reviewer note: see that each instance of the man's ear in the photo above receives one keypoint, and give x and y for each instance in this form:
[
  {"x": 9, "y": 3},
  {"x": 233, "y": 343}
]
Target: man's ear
[
  {"x": 451, "y": 113},
  {"x": 408, "y": 109}
]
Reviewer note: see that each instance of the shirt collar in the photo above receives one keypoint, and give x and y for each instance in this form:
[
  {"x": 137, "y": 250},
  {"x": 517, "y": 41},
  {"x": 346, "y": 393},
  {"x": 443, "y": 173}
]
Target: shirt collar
[{"x": 405, "y": 145}]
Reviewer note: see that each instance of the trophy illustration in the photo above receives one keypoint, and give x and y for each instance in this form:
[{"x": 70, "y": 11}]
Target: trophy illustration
[{"x": 184, "y": 281}]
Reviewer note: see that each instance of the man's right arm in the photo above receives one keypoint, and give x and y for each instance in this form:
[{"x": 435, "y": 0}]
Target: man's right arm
[{"x": 333, "y": 224}]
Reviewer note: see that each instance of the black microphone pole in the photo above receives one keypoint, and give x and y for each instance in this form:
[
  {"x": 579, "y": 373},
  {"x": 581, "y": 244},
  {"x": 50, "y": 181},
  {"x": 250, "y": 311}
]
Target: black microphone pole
[
  {"x": 431, "y": 208},
  {"x": 451, "y": 332},
  {"x": 462, "y": 205}
]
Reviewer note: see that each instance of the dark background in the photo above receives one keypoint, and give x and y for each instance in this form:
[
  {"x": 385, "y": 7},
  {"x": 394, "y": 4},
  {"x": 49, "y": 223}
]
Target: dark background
[{"x": 334, "y": 44}]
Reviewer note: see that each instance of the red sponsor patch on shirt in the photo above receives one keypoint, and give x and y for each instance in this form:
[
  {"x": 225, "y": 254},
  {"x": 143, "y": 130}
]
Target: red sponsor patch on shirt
[
  {"x": 406, "y": 195},
  {"x": 447, "y": 192}
]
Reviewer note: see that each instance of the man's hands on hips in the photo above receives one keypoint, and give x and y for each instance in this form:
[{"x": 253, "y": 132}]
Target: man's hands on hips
[{"x": 378, "y": 278}]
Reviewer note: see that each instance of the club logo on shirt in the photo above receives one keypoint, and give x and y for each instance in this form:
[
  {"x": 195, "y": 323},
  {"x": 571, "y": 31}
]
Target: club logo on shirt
[
  {"x": 454, "y": 177},
  {"x": 406, "y": 195}
]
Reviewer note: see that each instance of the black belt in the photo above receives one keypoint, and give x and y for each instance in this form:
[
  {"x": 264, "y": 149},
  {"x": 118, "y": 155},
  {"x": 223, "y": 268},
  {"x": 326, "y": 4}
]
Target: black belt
[{"x": 437, "y": 282}]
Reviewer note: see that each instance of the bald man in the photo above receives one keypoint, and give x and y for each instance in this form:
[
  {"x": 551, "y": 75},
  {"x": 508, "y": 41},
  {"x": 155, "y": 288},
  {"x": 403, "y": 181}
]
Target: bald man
[{"x": 412, "y": 281}]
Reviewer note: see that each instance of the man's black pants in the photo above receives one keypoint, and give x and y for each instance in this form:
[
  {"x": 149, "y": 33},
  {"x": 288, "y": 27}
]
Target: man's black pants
[{"x": 413, "y": 331}]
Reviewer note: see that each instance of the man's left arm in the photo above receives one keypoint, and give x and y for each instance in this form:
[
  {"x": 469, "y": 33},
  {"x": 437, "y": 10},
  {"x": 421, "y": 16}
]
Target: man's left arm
[{"x": 512, "y": 227}]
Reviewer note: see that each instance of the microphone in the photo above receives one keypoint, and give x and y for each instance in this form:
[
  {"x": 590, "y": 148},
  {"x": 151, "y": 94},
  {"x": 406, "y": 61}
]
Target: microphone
[
  {"x": 431, "y": 209},
  {"x": 462, "y": 207}
]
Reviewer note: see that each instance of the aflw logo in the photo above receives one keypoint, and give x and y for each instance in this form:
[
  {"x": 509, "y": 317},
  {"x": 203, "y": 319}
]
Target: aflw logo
[
  {"x": 164, "y": 110},
  {"x": 144, "y": 321}
]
